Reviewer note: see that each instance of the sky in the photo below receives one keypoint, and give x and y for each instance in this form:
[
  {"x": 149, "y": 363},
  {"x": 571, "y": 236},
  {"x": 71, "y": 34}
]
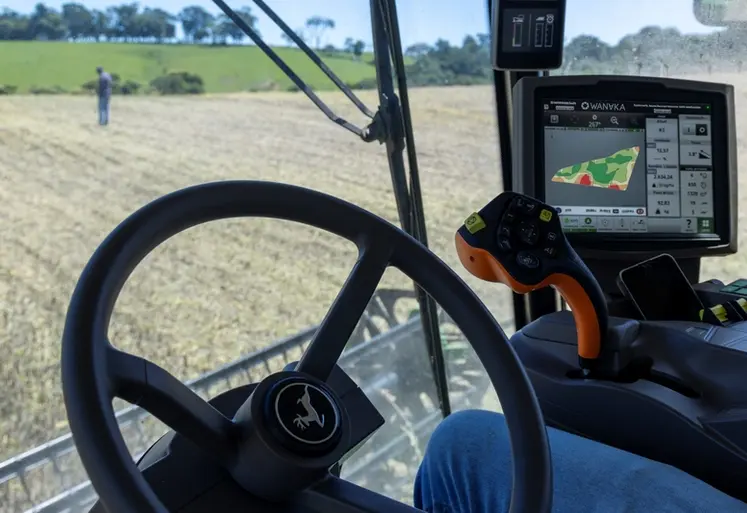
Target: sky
[{"x": 428, "y": 20}]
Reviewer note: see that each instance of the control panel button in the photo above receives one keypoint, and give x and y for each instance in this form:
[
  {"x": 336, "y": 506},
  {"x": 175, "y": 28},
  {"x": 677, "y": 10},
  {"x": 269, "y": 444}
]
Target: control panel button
[
  {"x": 525, "y": 206},
  {"x": 550, "y": 251},
  {"x": 504, "y": 231},
  {"x": 528, "y": 260},
  {"x": 552, "y": 237},
  {"x": 504, "y": 244},
  {"x": 474, "y": 223},
  {"x": 639, "y": 225},
  {"x": 529, "y": 232}
]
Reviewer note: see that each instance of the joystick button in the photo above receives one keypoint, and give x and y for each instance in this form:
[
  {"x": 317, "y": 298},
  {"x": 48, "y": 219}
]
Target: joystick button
[
  {"x": 552, "y": 237},
  {"x": 550, "y": 251},
  {"x": 524, "y": 205},
  {"x": 529, "y": 233},
  {"x": 504, "y": 231},
  {"x": 504, "y": 244},
  {"x": 528, "y": 260}
]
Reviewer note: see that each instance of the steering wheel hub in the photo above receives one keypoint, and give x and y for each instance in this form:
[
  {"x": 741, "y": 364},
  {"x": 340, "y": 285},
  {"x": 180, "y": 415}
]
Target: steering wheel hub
[{"x": 303, "y": 415}]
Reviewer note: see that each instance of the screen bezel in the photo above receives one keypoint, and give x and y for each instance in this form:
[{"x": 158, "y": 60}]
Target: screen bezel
[{"x": 532, "y": 93}]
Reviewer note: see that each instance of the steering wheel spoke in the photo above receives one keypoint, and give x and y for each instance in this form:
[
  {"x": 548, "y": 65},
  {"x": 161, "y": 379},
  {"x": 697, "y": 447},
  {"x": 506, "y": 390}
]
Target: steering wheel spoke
[
  {"x": 339, "y": 495},
  {"x": 145, "y": 384},
  {"x": 348, "y": 308}
]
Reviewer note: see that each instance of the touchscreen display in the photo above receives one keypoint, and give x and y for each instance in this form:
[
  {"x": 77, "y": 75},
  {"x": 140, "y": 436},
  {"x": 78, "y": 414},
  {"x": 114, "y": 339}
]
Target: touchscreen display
[{"x": 629, "y": 166}]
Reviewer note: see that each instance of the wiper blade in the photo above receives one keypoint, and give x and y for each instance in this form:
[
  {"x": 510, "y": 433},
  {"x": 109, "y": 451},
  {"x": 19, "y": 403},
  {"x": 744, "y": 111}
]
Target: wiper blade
[{"x": 367, "y": 134}]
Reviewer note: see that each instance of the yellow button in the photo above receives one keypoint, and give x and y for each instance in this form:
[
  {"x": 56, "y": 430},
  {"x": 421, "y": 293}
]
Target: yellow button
[
  {"x": 545, "y": 215},
  {"x": 720, "y": 312},
  {"x": 474, "y": 223}
]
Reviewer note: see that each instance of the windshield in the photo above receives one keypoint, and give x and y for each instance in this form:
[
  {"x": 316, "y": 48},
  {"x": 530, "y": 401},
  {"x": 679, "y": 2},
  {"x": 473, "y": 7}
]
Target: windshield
[{"x": 192, "y": 99}]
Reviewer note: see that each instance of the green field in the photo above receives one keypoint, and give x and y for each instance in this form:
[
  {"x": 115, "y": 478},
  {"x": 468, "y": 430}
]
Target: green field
[{"x": 28, "y": 64}]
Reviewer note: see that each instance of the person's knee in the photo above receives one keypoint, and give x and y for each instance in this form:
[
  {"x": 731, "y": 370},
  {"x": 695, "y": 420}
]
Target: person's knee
[
  {"x": 467, "y": 464},
  {"x": 468, "y": 435}
]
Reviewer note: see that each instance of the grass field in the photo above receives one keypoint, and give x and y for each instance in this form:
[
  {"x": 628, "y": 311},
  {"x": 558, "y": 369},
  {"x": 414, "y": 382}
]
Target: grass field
[
  {"x": 224, "y": 69},
  {"x": 224, "y": 289}
]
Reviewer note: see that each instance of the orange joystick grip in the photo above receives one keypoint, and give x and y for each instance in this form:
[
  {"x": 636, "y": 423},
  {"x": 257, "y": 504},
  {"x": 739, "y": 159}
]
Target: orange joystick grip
[{"x": 518, "y": 241}]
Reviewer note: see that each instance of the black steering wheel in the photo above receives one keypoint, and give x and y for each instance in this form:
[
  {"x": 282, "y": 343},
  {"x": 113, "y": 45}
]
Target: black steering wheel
[{"x": 277, "y": 449}]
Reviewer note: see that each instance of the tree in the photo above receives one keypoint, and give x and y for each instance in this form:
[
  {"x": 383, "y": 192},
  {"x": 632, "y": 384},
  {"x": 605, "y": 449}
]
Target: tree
[
  {"x": 417, "y": 50},
  {"x": 588, "y": 47},
  {"x": 79, "y": 21},
  {"x": 156, "y": 24},
  {"x": 225, "y": 27},
  {"x": 300, "y": 33},
  {"x": 46, "y": 23},
  {"x": 166, "y": 22},
  {"x": 358, "y": 48},
  {"x": 445, "y": 64},
  {"x": 13, "y": 26},
  {"x": 196, "y": 22},
  {"x": 354, "y": 47},
  {"x": 317, "y": 26},
  {"x": 101, "y": 24}
]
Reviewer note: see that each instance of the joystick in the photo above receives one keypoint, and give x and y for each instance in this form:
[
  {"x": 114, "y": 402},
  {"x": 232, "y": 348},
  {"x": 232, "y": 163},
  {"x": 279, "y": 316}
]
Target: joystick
[{"x": 518, "y": 241}]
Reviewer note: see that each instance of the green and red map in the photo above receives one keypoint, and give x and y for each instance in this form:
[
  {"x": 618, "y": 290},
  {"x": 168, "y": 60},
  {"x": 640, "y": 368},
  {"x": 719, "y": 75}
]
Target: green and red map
[{"x": 611, "y": 172}]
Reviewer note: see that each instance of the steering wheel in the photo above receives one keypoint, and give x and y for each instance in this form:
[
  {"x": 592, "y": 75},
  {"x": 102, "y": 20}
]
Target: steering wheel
[{"x": 272, "y": 466}]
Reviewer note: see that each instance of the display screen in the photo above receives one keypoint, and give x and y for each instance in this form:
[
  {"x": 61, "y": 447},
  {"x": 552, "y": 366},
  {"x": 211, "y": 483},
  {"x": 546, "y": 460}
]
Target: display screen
[
  {"x": 629, "y": 166},
  {"x": 531, "y": 30}
]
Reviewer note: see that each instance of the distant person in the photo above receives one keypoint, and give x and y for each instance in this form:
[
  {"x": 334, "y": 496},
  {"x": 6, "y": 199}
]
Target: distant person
[{"x": 105, "y": 93}]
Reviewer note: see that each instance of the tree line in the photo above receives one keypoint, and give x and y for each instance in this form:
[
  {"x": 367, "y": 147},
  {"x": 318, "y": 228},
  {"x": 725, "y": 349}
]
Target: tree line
[
  {"x": 652, "y": 50},
  {"x": 129, "y": 23},
  {"x": 657, "y": 50}
]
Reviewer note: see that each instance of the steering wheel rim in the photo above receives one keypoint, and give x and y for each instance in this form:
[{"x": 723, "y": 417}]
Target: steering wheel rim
[{"x": 91, "y": 379}]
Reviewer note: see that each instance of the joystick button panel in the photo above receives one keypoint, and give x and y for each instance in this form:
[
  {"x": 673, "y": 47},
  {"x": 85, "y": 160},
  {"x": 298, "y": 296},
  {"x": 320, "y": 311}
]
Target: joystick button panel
[{"x": 531, "y": 230}]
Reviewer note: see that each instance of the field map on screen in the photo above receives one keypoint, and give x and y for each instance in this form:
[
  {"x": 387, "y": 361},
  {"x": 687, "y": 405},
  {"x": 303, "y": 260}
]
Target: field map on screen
[{"x": 610, "y": 172}]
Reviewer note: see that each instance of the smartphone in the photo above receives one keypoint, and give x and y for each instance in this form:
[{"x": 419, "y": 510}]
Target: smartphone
[{"x": 660, "y": 290}]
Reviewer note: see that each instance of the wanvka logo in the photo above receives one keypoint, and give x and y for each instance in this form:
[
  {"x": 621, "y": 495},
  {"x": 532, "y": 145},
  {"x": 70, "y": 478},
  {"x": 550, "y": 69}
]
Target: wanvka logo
[{"x": 614, "y": 107}]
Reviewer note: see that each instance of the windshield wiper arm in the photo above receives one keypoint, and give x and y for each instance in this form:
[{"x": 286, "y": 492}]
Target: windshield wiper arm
[
  {"x": 368, "y": 134},
  {"x": 399, "y": 138},
  {"x": 390, "y": 125},
  {"x": 311, "y": 54}
]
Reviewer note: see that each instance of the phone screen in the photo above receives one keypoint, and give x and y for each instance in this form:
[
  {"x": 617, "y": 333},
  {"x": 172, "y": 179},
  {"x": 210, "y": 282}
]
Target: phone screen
[{"x": 660, "y": 290}]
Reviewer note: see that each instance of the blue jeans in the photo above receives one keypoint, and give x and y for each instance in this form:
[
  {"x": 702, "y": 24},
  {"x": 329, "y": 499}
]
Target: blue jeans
[
  {"x": 467, "y": 469},
  {"x": 103, "y": 110}
]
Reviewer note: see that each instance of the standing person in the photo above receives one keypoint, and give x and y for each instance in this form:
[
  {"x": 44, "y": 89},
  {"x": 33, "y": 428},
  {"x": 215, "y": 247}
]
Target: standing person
[{"x": 105, "y": 94}]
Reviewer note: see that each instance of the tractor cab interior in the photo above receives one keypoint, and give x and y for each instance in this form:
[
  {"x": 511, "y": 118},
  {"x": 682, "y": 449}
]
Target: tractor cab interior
[{"x": 616, "y": 188}]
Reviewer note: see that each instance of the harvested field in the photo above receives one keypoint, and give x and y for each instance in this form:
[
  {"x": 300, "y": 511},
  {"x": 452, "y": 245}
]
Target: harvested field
[{"x": 227, "y": 288}]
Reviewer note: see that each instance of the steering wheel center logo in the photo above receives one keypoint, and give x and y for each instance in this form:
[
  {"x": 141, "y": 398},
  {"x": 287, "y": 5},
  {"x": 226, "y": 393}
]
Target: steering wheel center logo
[{"x": 307, "y": 413}]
